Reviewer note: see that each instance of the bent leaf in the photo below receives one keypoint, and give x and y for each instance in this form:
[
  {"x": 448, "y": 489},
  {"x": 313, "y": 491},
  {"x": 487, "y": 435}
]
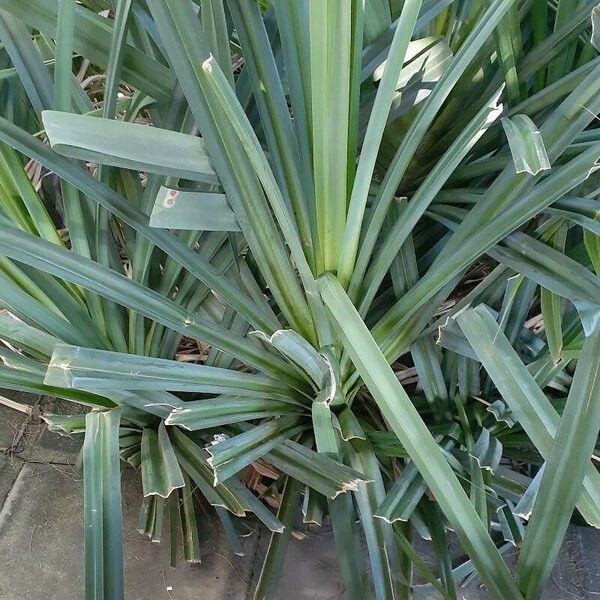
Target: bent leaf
[
  {"x": 526, "y": 145},
  {"x": 196, "y": 211},
  {"x": 128, "y": 145}
]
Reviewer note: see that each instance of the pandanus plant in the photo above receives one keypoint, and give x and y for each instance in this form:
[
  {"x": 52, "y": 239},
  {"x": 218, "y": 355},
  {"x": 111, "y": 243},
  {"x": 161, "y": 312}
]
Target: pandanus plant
[{"x": 350, "y": 246}]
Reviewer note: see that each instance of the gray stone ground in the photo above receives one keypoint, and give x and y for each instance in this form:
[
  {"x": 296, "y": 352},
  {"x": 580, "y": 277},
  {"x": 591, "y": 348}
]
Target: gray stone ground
[{"x": 42, "y": 548}]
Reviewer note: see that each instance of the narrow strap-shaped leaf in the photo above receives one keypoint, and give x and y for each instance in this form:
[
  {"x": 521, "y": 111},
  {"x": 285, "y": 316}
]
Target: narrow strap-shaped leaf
[
  {"x": 190, "y": 59},
  {"x": 369, "y": 275},
  {"x": 584, "y": 212},
  {"x": 104, "y": 241},
  {"x": 28, "y": 308},
  {"x": 272, "y": 568},
  {"x": 214, "y": 23},
  {"x": 549, "y": 189},
  {"x": 76, "y": 216},
  {"x": 193, "y": 460},
  {"x": 275, "y": 116},
  {"x": 404, "y": 274},
  {"x": 530, "y": 407},
  {"x": 417, "y": 78},
  {"x": 233, "y": 454},
  {"x": 525, "y": 506},
  {"x": 345, "y": 529},
  {"x": 26, "y": 336},
  {"x": 27, "y": 60},
  {"x": 550, "y": 268},
  {"x": 157, "y": 403},
  {"x": 559, "y": 130},
  {"x": 63, "y": 67},
  {"x": 74, "y": 366},
  {"x": 51, "y": 292},
  {"x": 402, "y": 498},
  {"x": 595, "y": 39},
  {"x": 562, "y": 63},
  {"x": 419, "y": 125},
  {"x": 102, "y": 507},
  {"x": 435, "y": 523},
  {"x": 14, "y": 177},
  {"x": 508, "y": 42},
  {"x": 189, "y": 525},
  {"x": 540, "y": 263},
  {"x": 340, "y": 509},
  {"x": 330, "y": 33},
  {"x": 124, "y": 291},
  {"x": 563, "y": 475},
  {"x": 292, "y": 22},
  {"x": 150, "y": 518},
  {"x": 551, "y": 304},
  {"x": 403, "y": 418},
  {"x": 318, "y": 471},
  {"x": 383, "y": 556},
  {"x": 227, "y": 102},
  {"x": 65, "y": 424},
  {"x": 115, "y": 58},
  {"x": 370, "y": 148},
  {"x": 256, "y": 505},
  {"x": 20, "y": 380},
  {"x": 206, "y": 414},
  {"x": 313, "y": 507},
  {"x": 295, "y": 348},
  {"x": 348, "y": 425}
]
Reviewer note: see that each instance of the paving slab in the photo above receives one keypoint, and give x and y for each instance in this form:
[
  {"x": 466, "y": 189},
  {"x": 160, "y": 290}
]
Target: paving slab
[
  {"x": 566, "y": 580},
  {"x": 13, "y": 423},
  {"x": 310, "y": 570},
  {"x": 590, "y": 560},
  {"x": 10, "y": 467},
  {"x": 27, "y": 436},
  {"x": 41, "y": 544},
  {"x": 43, "y": 446}
]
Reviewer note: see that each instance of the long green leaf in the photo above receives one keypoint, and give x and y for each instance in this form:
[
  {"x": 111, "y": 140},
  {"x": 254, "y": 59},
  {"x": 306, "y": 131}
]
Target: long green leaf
[
  {"x": 418, "y": 441},
  {"x": 118, "y": 288},
  {"x": 73, "y": 366},
  {"x": 102, "y": 507},
  {"x": 224, "y": 410},
  {"x": 565, "y": 468},
  {"x": 373, "y": 136},
  {"x": 526, "y": 145},
  {"x": 532, "y": 409},
  {"x": 330, "y": 32}
]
